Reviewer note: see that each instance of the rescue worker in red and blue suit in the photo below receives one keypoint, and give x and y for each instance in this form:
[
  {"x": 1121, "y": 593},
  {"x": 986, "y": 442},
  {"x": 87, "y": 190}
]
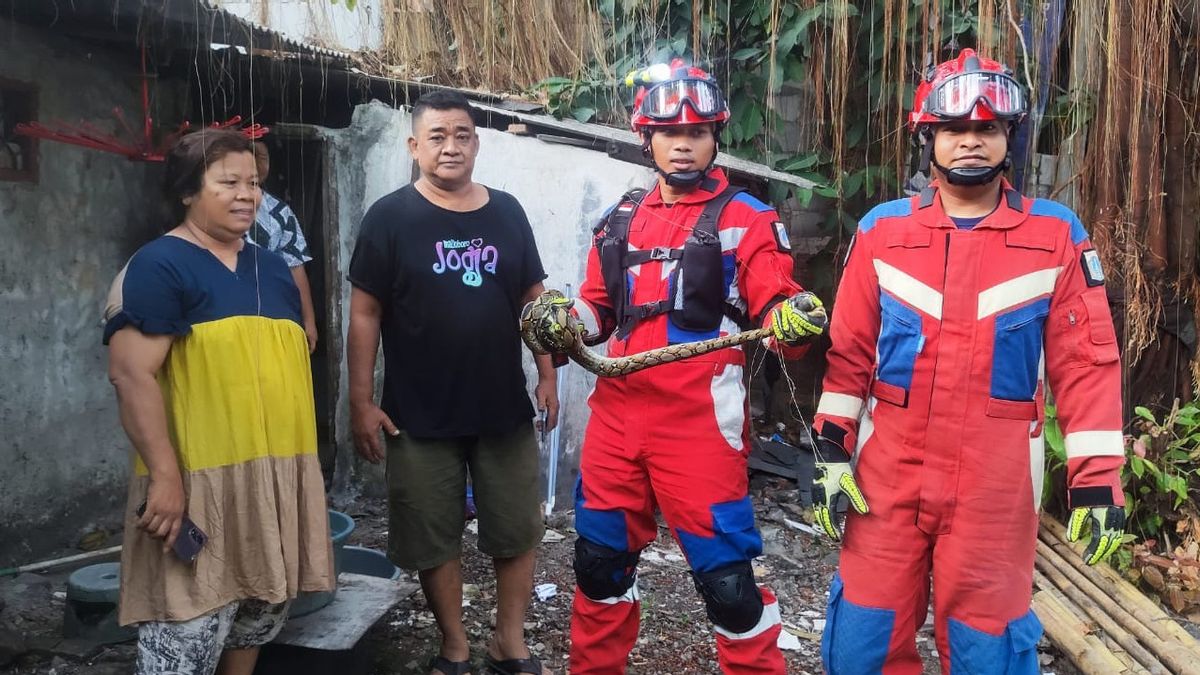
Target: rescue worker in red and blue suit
[
  {"x": 960, "y": 310},
  {"x": 691, "y": 259}
]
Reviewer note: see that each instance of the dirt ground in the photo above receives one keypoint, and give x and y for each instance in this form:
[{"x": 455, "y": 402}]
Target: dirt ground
[{"x": 675, "y": 635}]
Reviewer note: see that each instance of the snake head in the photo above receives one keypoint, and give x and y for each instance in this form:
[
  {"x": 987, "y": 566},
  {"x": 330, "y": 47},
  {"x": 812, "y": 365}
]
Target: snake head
[
  {"x": 811, "y": 307},
  {"x": 549, "y": 326}
]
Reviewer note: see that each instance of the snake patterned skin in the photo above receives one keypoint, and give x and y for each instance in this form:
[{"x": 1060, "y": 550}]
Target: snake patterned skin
[{"x": 547, "y": 326}]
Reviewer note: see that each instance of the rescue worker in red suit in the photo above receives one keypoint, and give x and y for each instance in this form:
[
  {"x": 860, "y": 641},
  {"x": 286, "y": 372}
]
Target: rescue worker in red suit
[
  {"x": 689, "y": 260},
  {"x": 959, "y": 311}
]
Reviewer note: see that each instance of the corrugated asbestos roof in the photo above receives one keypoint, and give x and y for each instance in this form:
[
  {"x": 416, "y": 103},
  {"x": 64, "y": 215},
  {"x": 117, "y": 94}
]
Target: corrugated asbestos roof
[
  {"x": 262, "y": 34},
  {"x": 177, "y": 23}
]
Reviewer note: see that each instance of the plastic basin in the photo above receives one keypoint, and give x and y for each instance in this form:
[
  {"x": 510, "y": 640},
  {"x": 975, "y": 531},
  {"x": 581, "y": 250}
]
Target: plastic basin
[
  {"x": 359, "y": 560},
  {"x": 340, "y": 527}
]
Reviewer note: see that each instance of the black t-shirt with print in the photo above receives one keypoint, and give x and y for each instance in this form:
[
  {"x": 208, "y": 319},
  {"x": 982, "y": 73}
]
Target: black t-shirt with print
[{"x": 450, "y": 284}]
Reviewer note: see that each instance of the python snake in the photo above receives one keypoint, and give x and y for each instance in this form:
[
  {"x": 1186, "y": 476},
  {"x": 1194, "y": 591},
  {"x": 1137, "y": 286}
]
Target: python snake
[{"x": 553, "y": 309}]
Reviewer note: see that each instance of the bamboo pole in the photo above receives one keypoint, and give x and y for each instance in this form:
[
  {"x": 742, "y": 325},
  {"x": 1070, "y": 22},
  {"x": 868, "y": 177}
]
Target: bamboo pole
[
  {"x": 1133, "y": 600},
  {"x": 1050, "y": 577},
  {"x": 1070, "y": 633},
  {"x": 1175, "y": 656},
  {"x": 1131, "y": 664}
]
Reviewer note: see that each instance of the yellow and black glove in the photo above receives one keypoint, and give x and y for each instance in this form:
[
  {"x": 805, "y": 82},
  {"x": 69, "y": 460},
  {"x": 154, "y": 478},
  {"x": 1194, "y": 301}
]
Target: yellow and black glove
[
  {"x": 798, "y": 318},
  {"x": 1107, "y": 525},
  {"x": 833, "y": 481}
]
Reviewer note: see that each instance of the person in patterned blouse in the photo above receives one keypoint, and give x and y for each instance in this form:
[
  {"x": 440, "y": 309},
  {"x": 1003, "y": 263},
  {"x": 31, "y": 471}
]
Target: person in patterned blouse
[{"x": 277, "y": 229}]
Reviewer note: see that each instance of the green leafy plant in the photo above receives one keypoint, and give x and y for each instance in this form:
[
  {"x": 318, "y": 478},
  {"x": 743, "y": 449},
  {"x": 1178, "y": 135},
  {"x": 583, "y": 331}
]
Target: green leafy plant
[
  {"x": 1161, "y": 472},
  {"x": 1160, "y": 476},
  {"x": 763, "y": 53},
  {"x": 582, "y": 99}
]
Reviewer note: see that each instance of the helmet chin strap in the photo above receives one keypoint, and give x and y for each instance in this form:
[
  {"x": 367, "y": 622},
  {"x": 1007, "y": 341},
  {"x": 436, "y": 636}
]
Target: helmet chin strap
[
  {"x": 974, "y": 175},
  {"x": 683, "y": 179},
  {"x": 966, "y": 176},
  {"x": 678, "y": 179}
]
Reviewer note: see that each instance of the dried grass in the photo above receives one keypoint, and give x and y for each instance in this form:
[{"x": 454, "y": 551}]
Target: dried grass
[
  {"x": 1118, "y": 61},
  {"x": 496, "y": 45}
]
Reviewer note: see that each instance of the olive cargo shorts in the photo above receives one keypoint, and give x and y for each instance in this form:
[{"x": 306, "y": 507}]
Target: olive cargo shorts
[{"x": 427, "y": 491}]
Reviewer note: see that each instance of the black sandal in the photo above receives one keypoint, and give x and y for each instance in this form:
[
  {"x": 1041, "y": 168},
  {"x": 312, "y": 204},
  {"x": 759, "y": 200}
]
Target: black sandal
[
  {"x": 515, "y": 666},
  {"x": 449, "y": 667}
]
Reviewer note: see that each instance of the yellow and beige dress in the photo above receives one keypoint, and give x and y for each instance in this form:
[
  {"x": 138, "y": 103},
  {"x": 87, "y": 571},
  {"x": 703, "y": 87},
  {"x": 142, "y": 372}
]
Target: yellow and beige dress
[{"x": 238, "y": 395}]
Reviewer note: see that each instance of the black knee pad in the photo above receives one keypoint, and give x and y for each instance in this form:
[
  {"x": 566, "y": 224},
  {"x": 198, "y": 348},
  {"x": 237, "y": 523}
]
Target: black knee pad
[
  {"x": 603, "y": 572},
  {"x": 731, "y": 596}
]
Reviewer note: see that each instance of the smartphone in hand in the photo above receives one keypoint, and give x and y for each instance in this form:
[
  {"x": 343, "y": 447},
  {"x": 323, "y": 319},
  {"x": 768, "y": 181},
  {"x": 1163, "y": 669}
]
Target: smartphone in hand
[{"x": 188, "y": 542}]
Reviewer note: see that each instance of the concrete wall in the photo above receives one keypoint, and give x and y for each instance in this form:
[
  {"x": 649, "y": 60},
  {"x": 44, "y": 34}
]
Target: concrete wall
[
  {"x": 63, "y": 456},
  {"x": 324, "y": 23},
  {"x": 564, "y": 191},
  {"x": 369, "y": 159}
]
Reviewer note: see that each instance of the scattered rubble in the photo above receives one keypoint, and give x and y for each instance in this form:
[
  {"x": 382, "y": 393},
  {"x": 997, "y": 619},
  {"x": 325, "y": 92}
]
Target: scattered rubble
[{"x": 675, "y": 634}]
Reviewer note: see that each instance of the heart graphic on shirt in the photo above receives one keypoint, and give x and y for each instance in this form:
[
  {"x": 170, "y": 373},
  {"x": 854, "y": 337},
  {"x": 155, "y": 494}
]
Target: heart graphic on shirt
[{"x": 478, "y": 242}]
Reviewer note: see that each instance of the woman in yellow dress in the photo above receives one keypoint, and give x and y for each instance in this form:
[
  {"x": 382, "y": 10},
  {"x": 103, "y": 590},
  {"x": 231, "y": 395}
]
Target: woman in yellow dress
[{"x": 210, "y": 363}]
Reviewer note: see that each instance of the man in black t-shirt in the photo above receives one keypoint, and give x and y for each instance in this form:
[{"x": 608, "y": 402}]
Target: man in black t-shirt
[{"x": 441, "y": 269}]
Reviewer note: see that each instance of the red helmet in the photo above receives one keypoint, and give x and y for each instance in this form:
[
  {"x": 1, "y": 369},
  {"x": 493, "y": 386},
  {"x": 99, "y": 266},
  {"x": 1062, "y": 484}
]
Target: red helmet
[
  {"x": 675, "y": 94},
  {"x": 968, "y": 87}
]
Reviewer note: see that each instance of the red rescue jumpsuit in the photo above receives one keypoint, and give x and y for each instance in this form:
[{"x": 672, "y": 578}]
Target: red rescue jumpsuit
[
  {"x": 676, "y": 436},
  {"x": 941, "y": 341}
]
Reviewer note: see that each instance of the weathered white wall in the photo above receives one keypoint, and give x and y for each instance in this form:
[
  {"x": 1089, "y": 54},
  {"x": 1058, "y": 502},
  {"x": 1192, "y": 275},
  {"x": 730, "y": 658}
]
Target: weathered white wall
[
  {"x": 370, "y": 159},
  {"x": 564, "y": 191},
  {"x": 63, "y": 455},
  {"x": 318, "y": 22}
]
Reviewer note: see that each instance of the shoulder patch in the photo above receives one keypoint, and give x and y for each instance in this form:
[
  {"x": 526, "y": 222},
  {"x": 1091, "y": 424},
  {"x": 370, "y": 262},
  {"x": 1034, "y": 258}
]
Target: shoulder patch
[
  {"x": 1092, "y": 271},
  {"x": 781, "y": 236}
]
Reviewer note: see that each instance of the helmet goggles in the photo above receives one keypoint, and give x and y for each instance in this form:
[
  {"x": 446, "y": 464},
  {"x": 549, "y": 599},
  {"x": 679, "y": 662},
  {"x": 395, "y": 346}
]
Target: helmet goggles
[
  {"x": 956, "y": 97},
  {"x": 664, "y": 101}
]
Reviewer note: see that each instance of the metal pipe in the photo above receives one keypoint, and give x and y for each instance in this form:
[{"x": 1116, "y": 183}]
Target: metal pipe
[
  {"x": 552, "y": 469},
  {"x": 47, "y": 564}
]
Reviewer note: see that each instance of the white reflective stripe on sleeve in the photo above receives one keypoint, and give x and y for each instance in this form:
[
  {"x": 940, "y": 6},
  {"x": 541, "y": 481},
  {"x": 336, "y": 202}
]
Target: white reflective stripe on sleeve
[
  {"x": 591, "y": 322},
  {"x": 842, "y": 405},
  {"x": 909, "y": 289},
  {"x": 769, "y": 618},
  {"x": 1017, "y": 291},
  {"x": 631, "y": 595},
  {"x": 1095, "y": 444}
]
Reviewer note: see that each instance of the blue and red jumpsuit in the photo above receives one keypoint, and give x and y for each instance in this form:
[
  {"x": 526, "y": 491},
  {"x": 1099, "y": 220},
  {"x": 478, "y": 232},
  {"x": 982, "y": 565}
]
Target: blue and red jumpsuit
[
  {"x": 676, "y": 436},
  {"x": 944, "y": 343}
]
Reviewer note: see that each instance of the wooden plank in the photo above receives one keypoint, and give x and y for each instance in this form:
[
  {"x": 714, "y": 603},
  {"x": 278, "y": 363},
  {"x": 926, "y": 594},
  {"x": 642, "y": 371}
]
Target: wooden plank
[{"x": 361, "y": 600}]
